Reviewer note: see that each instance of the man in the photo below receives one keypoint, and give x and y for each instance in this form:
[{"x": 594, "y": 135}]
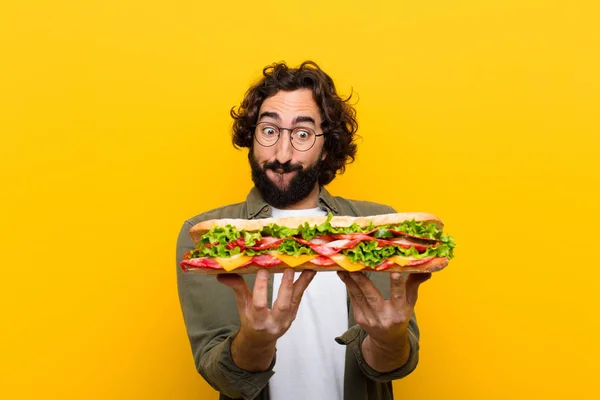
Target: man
[{"x": 298, "y": 336}]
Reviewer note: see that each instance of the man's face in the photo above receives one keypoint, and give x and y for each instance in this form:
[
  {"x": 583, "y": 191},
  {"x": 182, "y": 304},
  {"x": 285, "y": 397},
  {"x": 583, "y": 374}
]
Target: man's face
[{"x": 283, "y": 174}]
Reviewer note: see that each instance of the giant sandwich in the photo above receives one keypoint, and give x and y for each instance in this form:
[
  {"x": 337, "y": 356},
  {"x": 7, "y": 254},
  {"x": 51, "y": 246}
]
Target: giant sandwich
[{"x": 407, "y": 242}]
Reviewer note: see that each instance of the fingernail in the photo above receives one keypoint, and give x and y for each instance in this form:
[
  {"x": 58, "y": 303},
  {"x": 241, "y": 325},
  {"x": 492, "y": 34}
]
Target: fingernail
[
  {"x": 396, "y": 276},
  {"x": 263, "y": 274}
]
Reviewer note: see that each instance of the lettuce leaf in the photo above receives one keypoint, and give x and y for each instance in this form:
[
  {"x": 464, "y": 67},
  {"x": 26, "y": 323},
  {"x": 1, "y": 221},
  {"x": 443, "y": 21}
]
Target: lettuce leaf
[
  {"x": 218, "y": 250},
  {"x": 308, "y": 232},
  {"x": 221, "y": 235},
  {"x": 250, "y": 238},
  {"x": 293, "y": 248},
  {"x": 369, "y": 254},
  {"x": 251, "y": 252},
  {"x": 419, "y": 228},
  {"x": 278, "y": 231},
  {"x": 383, "y": 234},
  {"x": 354, "y": 228}
]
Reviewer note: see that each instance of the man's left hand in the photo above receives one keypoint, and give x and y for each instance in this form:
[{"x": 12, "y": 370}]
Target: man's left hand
[{"x": 384, "y": 321}]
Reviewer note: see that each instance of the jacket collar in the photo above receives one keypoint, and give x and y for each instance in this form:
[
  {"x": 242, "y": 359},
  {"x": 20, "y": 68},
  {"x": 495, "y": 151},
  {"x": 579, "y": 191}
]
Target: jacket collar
[{"x": 257, "y": 207}]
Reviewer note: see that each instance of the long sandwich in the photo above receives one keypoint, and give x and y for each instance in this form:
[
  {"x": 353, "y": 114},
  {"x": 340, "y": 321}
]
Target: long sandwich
[{"x": 407, "y": 242}]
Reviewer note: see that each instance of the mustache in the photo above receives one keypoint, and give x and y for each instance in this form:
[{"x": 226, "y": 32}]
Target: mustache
[{"x": 286, "y": 167}]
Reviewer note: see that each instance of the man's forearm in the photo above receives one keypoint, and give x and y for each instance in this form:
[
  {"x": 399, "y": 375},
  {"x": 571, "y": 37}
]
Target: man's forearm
[
  {"x": 251, "y": 357},
  {"x": 386, "y": 358}
]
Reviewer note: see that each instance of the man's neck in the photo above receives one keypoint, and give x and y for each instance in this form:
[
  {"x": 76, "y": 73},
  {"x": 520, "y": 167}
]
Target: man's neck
[{"x": 306, "y": 203}]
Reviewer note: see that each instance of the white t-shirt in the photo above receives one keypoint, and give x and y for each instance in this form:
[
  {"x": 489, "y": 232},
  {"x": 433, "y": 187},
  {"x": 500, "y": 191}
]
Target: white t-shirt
[{"x": 310, "y": 364}]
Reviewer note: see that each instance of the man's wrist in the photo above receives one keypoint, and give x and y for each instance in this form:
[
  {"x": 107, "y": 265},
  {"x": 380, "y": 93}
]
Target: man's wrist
[
  {"x": 252, "y": 356},
  {"x": 395, "y": 346},
  {"x": 386, "y": 357}
]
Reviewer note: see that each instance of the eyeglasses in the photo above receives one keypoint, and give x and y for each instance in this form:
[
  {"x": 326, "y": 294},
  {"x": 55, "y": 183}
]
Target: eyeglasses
[{"x": 302, "y": 138}]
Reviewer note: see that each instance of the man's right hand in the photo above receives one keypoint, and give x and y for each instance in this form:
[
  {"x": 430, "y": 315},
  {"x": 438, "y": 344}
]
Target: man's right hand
[{"x": 253, "y": 348}]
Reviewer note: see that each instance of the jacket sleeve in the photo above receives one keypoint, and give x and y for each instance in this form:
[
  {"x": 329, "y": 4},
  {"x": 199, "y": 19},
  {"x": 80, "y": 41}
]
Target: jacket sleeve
[{"x": 212, "y": 321}]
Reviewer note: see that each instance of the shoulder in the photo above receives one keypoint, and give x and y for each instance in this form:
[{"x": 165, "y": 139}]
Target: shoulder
[
  {"x": 184, "y": 241},
  {"x": 237, "y": 210},
  {"x": 361, "y": 208}
]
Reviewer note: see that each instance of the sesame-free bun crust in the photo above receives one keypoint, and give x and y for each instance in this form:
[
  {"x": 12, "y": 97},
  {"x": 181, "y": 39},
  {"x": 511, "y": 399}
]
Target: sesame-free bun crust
[{"x": 254, "y": 225}]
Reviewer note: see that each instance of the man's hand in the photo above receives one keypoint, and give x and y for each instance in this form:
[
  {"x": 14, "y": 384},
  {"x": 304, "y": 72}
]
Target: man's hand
[
  {"x": 385, "y": 321},
  {"x": 253, "y": 347}
]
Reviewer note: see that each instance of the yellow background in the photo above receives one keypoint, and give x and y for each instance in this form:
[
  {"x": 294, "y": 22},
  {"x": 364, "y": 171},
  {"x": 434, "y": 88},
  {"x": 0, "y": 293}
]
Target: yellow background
[{"x": 115, "y": 128}]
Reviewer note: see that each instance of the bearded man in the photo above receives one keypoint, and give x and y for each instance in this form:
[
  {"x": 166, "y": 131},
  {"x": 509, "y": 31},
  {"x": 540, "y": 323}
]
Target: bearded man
[{"x": 298, "y": 336}]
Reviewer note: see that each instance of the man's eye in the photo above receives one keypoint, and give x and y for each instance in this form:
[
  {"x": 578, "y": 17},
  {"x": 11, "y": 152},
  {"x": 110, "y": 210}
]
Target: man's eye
[
  {"x": 269, "y": 131},
  {"x": 302, "y": 135}
]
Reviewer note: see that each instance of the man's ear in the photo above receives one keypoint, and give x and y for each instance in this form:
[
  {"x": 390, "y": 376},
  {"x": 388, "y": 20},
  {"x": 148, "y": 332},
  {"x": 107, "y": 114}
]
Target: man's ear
[{"x": 324, "y": 155}]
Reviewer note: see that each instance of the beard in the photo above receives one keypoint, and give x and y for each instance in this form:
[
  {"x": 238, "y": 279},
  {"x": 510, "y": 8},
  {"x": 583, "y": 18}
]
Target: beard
[{"x": 297, "y": 189}]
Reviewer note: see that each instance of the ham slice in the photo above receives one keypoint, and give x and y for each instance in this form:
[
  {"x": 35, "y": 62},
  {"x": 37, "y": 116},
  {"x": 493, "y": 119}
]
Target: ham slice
[
  {"x": 325, "y": 250},
  {"x": 419, "y": 262},
  {"x": 241, "y": 243},
  {"x": 196, "y": 263},
  {"x": 268, "y": 242},
  {"x": 353, "y": 236},
  {"x": 322, "y": 261},
  {"x": 321, "y": 239},
  {"x": 404, "y": 243},
  {"x": 320, "y": 249},
  {"x": 400, "y": 233},
  {"x": 385, "y": 265},
  {"x": 388, "y": 263},
  {"x": 344, "y": 243},
  {"x": 205, "y": 262},
  {"x": 302, "y": 241},
  {"x": 356, "y": 238},
  {"x": 265, "y": 260}
]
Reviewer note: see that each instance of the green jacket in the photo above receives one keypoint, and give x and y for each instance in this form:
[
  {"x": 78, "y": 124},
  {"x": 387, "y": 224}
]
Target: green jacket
[{"x": 212, "y": 320}]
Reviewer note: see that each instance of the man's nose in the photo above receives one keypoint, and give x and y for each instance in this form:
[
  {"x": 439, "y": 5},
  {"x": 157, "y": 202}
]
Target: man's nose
[{"x": 283, "y": 148}]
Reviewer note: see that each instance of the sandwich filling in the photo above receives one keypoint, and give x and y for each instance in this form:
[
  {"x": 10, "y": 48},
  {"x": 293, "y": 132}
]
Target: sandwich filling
[{"x": 353, "y": 248}]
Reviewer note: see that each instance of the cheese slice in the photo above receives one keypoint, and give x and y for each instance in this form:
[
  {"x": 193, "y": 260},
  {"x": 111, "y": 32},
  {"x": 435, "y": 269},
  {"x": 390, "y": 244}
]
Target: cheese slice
[
  {"x": 400, "y": 260},
  {"x": 292, "y": 261},
  {"x": 231, "y": 263},
  {"x": 345, "y": 263}
]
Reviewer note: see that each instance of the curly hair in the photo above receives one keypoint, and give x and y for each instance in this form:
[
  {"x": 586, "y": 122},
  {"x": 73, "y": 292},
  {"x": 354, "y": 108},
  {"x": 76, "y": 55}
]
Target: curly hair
[{"x": 337, "y": 115}]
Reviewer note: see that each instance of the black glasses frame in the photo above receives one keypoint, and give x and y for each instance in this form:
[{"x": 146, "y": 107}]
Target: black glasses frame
[{"x": 291, "y": 130}]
